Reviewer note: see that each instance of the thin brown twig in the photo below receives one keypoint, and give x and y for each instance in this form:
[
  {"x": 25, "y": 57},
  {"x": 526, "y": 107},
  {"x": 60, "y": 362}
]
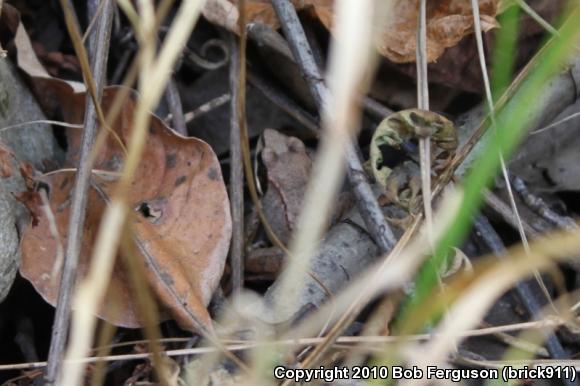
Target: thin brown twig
[
  {"x": 236, "y": 171},
  {"x": 80, "y": 196}
]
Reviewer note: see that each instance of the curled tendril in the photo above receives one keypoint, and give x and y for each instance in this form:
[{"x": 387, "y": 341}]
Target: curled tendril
[{"x": 200, "y": 59}]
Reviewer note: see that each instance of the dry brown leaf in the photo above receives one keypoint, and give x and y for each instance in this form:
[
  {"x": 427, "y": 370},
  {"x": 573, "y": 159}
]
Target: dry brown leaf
[
  {"x": 181, "y": 222},
  {"x": 39, "y": 249},
  {"x": 448, "y": 21}
]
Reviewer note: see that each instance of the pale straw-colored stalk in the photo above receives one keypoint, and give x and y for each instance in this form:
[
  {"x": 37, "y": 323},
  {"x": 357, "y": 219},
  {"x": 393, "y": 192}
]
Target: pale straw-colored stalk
[{"x": 351, "y": 61}]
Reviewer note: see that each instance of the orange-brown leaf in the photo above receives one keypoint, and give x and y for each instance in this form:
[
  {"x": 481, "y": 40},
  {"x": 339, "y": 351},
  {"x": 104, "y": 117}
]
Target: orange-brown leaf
[{"x": 181, "y": 222}]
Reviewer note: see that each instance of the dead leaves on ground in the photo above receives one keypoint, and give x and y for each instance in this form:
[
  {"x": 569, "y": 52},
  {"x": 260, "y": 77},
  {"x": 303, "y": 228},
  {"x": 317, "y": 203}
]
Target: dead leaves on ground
[
  {"x": 180, "y": 224},
  {"x": 448, "y": 21}
]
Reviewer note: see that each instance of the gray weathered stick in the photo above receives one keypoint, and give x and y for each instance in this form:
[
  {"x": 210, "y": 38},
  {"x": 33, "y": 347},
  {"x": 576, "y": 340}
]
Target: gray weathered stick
[
  {"x": 523, "y": 288},
  {"x": 285, "y": 103},
  {"x": 236, "y": 173},
  {"x": 540, "y": 207},
  {"x": 79, "y": 199},
  {"x": 265, "y": 36},
  {"x": 346, "y": 251},
  {"x": 175, "y": 107},
  {"x": 366, "y": 200}
]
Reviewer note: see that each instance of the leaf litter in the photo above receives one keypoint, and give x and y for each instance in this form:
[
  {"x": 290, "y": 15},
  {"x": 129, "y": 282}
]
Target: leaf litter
[{"x": 181, "y": 222}]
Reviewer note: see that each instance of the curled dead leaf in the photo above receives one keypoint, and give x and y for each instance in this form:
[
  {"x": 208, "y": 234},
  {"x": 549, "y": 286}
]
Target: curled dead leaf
[{"x": 181, "y": 224}]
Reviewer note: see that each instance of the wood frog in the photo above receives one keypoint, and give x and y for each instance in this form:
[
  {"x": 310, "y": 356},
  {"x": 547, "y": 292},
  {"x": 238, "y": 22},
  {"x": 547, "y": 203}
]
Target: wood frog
[{"x": 288, "y": 167}]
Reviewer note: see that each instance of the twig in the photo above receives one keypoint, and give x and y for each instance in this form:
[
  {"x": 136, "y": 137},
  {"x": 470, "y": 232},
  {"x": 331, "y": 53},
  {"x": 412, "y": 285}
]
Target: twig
[
  {"x": 80, "y": 196},
  {"x": 490, "y": 237},
  {"x": 207, "y": 107},
  {"x": 265, "y": 36},
  {"x": 371, "y": 106},
  {"x": 236, "y": 173},
  {"x": 366, "y": 200},
  {"x": 247, "y": 345},
  {"x": 94, "y": 9},
  {"x": 285, "y": 103},
  {"x": 423, "y": 104},
  {"x": 537, "y": 18},
  {"x": 506, "y": 213},
  {"x": 175, "y": 107},
  {"x": 539, "y": 206},
  {"x": 45, "y": 121},
  {"x": 555, "y": 124}
]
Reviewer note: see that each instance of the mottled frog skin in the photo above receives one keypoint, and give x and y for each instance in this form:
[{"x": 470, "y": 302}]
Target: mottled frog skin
[
  {"x": 402, "y": 184},
  {"x": 288, "y": 167}
]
